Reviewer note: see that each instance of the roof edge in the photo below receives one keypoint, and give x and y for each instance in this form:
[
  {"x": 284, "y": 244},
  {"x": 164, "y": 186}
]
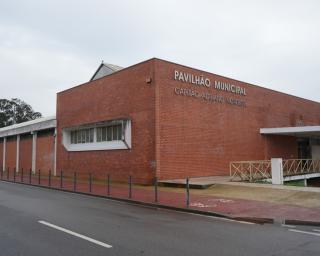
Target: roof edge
[
  {"x": 29, "y": 126},
  {"x": 293, "y": 129},
  {"x": 185, "y": 66}
]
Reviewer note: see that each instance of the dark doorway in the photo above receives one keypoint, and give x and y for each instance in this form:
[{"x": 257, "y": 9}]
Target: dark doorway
[{"x": 304, "y": 149}]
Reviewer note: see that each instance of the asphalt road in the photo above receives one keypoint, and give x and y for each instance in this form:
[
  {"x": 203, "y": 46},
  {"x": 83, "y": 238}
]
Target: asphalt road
[{"x": 36, "y": 221}]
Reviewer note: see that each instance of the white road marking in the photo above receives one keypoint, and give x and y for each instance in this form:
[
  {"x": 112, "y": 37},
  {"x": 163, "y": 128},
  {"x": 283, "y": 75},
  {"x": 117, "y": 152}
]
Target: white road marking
[
  {"x": 316, "y": 230},
  {"x": 304, "y": 232},
  {"x": 75, "y": 234}
]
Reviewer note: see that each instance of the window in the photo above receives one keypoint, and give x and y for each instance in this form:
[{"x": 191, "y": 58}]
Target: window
[
  {"x": 82, "y": 136},
  {"x": 106, "y": 135},
  {"x": 109, "y": 133}
]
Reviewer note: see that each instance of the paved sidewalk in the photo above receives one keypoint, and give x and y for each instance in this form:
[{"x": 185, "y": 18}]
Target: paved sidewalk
[
  {"x": 260, "y": 201},
  {"x": 242, "y": 199},
  {"x": 256, "y": 201}
]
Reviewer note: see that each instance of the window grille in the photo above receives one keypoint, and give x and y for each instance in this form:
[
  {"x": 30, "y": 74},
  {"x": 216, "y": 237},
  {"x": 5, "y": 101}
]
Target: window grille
[
  {"x": 110, "y": 131},
  {"x": 82, "y": 136}
]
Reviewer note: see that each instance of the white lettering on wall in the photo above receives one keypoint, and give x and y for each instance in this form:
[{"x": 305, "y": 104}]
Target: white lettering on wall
[{"x": 200, "y": 80}]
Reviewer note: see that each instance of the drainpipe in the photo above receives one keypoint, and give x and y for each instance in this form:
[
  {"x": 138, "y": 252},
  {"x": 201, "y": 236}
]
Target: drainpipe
[
  {"x": 4, "y": 153},
  {"x": 34, "y": 151},
  {"x": 18, "y": 153},
  {"x": 55, "y": 153}
]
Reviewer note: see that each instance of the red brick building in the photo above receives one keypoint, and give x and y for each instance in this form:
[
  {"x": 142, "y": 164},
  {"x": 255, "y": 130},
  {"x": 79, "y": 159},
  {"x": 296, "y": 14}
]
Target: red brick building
[{"x": 158, "y": 118}]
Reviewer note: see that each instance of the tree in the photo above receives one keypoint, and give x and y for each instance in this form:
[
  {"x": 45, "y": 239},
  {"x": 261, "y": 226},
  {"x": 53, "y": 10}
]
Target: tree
[{"x": 16, "y": 111}]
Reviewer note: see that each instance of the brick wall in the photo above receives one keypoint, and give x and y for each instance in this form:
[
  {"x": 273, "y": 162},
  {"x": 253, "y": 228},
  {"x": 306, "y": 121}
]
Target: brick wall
[
  {"x": 45, "y": 151},
  {"x": 124, "y": 94},
  {"x": 199, "y": 138},
  {"x": 25, "y": 154},
  {"x": 11, "y": 149},
  {"x": 281, "y": 147}
]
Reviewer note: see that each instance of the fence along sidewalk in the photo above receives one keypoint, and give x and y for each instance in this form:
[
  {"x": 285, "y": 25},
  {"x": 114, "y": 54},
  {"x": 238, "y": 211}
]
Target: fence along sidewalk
[{"x": 261, "y": 169}]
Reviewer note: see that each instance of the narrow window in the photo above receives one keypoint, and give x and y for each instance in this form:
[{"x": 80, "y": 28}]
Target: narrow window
[
  {"x": 99, "y": 137},
  {"x": 114, "y": 132},
  {"x": 78, "y": 136},
  {"x": 109, "y": 133},
  {"x": 87, "y": 136},
  {"x": 91, "y": 135},
  {"x": 120, "y": 132},
  {"x": 104, "y": 133}
]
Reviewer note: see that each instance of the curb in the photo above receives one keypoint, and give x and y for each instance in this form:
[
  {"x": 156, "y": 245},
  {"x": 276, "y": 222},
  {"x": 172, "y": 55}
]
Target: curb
[
  {"x": 183, "y": 185},
  {"x": 302, "y": 223},
  {"x": 254, "y": 220}
]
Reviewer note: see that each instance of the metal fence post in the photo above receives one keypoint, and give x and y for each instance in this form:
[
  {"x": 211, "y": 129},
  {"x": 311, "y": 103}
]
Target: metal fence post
[
  {"x": 90, "y": 182},
  {"x": 61, "y": 179},
  {"x": 30, "y": 176},
  {"x": 188, "y": 192},
  {"x": 156, "y": 189},
  {"x": 108, "y": 184},
  {"x": 21, "y": 175},
  {"x": 130, "y": 186},
  {"x": 14, "y": 174},
  {"x": 49, "y": 179},
  {"x": 39, "y": 177},
  {"x": 74, "y": 181}
]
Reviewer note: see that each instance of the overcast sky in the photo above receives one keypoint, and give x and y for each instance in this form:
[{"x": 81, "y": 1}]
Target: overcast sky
[{"x": 48, "y": 46}]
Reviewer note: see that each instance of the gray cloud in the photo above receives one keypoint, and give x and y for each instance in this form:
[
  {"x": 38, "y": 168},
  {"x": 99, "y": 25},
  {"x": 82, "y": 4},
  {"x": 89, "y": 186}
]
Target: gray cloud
[{"x": 48, "y": 46}]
